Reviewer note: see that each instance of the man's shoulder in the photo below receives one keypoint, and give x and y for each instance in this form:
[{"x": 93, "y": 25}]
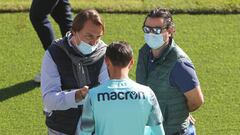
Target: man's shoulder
[
  {"x": 178, "y": 52},
  {"x": 144, "y": 49},
  {"x": 99, "y": 89},
  {"x": 142, "y": 88},
  {"x": 55, "y": 45},
  {"x": 131, "y": 85}
]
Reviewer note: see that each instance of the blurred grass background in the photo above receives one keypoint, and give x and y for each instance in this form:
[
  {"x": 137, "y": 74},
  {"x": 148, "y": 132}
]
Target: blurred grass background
[
  {"x": 137, "y": 6},
  {"x": 212, "y": 42}
]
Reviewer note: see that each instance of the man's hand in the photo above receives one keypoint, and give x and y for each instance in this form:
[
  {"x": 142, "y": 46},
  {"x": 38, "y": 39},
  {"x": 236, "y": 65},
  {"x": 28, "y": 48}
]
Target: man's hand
[{"x": 81, "y": 93}]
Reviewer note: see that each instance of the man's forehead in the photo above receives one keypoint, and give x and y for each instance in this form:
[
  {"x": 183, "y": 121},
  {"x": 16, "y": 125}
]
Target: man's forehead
[
  {"x": 154, "y": 21},
  {"x": 92, "y": 29}
]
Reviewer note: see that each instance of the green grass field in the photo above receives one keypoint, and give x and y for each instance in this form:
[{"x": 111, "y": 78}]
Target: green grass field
[
  {"x": 212, "y": 42},
  {"x": 181, "y": 6}
]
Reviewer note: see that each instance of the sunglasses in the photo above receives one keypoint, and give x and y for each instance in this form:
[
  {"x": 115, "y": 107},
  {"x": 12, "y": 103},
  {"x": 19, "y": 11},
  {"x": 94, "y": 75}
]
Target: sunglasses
[{"x": 155, "y": 30}]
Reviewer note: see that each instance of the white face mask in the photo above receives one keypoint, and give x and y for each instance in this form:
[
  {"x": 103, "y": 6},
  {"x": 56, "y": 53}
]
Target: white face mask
[
  {"x": 154, "y": 41},
  {"x": 86, "y": 48}
]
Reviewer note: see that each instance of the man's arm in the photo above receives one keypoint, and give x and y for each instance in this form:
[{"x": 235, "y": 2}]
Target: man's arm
[
  {"x": 184, "y": 77},
  {"x": 157, "y": 130},
  {"x": 87, "y": 118},
  {"x": 194, "y": 98},
  {"x": 155, "y": 118},
  {"x": 53, "y": 96}
]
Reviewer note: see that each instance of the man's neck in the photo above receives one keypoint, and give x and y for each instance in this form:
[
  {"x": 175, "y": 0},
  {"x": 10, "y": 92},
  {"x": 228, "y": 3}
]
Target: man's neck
[
  {"x": 158, "y": 52},
  {"x": 119, "y": 73}
]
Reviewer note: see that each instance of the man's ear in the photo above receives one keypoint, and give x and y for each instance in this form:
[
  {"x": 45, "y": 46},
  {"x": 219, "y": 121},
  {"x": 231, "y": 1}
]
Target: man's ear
[
  {"x": 131, "y": 63},
  {"x": 107, "y": 61},
  {"x": 171, "y": 30}
]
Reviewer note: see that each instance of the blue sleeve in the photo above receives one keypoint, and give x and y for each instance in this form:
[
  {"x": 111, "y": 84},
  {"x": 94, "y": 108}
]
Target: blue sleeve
[
  {"x": 183, "y": 76},
  {"x": 155, "y": 116},
  {"x": 154, "y": 130},
  {"x": 87, "y": 118}
]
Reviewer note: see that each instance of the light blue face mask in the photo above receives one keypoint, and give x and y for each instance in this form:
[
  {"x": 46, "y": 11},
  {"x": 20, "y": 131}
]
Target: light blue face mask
[
  {"x": 86, "y": 48},
  {"x": 154, "y": 41}
]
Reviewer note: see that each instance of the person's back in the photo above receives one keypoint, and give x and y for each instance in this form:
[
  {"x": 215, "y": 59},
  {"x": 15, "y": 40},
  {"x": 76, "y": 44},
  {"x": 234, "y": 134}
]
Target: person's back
[{"x": 120, "y": 106}]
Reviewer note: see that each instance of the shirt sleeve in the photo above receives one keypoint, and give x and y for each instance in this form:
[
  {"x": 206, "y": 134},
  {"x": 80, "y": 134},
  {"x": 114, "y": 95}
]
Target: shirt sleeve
[
  {"x": 87, "y": 118},
  {"x": 103, "y": 75},
  {"x": 53, "y": 96},
  {"x": 155, "y": 116},
  {"x": 154, "y": 130},
  {"x": 183, "y": 76}
]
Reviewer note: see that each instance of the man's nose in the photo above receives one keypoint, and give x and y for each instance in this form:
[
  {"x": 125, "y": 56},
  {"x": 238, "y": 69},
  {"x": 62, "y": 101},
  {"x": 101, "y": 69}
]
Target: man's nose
[{"x": 93, "y": 42}]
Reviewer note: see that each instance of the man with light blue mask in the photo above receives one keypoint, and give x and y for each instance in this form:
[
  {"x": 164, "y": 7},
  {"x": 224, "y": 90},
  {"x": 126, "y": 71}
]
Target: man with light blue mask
[
  {"x": 166, "y": 68},
  {"x": 70, "y": 67}
]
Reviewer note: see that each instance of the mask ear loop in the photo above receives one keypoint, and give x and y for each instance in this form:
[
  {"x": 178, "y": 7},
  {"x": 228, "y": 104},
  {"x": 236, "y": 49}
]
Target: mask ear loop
[{"x": 78, "y": 38}]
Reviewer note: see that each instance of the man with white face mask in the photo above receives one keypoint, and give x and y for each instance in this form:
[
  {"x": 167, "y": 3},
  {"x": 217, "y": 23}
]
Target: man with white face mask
[
  {"x": 70, "y": 66},
  {"x": 166, "y": 68}
]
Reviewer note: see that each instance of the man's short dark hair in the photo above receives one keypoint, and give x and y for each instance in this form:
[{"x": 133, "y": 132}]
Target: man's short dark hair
[
  {"x": 120, "y": 53},
  {"x": 161, "y": 13}
]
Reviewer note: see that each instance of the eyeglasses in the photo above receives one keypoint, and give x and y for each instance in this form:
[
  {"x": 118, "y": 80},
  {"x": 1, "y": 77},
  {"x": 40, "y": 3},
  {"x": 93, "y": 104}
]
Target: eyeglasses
[{"x": 155, "y": 30}]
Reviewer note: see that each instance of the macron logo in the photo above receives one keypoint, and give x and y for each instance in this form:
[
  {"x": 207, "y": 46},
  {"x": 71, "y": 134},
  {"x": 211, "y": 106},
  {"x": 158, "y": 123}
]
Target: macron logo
[{"x": 120, "y": 96}]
